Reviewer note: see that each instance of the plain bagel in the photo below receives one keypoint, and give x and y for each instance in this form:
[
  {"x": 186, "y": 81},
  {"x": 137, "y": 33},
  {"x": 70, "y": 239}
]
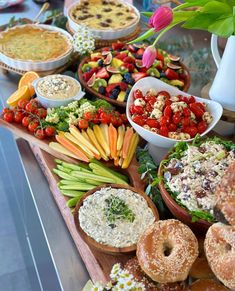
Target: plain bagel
[{"x": 167, "y": 250}]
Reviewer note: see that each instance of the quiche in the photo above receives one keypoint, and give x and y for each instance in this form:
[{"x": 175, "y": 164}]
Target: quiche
[
  {"x": 33, "y": 43},
  {"x": 103, "y": 14}
]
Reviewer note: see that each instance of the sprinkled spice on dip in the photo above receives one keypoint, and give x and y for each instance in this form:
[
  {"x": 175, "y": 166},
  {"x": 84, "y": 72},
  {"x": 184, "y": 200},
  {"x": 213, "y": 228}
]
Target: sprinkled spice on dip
[
  {"x": 115, "y": 217},
  {"x": 58, "y": 87}
]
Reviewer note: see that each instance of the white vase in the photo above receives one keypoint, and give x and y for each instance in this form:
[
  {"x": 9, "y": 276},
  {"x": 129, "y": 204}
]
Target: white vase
[{"x": 223, "y": 87}]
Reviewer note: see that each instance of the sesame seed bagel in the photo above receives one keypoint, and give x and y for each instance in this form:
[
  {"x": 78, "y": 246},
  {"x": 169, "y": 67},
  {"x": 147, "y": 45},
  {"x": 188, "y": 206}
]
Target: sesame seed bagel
[
  {"x": 167, "y": 250},
  {"x": 220, "y": 252}
]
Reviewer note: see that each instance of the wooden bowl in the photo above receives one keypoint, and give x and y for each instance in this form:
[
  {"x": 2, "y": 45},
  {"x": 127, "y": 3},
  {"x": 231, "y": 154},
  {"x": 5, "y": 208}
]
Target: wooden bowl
[
  {"x": 105, "y": 248},
  {"x": 179, "y": 212},
  {"x": 115, "y": 102}
]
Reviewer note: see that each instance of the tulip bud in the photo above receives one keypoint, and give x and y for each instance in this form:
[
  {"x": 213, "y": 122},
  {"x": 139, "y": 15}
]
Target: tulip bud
[
  {"x": 161, "y": 18},
  {"x": 149, "y": 56}
]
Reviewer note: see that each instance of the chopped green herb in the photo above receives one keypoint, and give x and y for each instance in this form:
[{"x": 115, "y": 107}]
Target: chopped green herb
[{"x": 117, "y": 209}]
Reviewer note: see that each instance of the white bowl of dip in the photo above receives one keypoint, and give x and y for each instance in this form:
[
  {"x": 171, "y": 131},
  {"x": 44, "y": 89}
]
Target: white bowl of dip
[{"x": 57, "y": 90}]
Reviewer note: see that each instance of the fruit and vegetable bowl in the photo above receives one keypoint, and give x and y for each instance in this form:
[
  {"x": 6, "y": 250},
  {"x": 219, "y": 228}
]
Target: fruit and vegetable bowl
[
  {"x": 162, "y": 114},
  {"x": 111, "y": 72},
  {"x": 189, "y": 175}
]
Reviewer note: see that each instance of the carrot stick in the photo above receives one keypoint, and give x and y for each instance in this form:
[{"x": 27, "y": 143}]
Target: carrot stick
[
  {"x": 126, "y": 143},
  {"x": 113, "y": 141},
  {"x": 71, "y": 147}
]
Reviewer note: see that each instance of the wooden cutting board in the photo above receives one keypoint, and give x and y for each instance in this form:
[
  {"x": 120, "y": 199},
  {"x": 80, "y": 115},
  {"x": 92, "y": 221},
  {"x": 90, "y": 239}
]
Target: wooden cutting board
[{"x": 97, "y": 263}]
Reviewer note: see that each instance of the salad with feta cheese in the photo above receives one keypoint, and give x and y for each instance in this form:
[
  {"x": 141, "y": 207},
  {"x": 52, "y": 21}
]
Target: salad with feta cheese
[{"x": 192, "y": 172}]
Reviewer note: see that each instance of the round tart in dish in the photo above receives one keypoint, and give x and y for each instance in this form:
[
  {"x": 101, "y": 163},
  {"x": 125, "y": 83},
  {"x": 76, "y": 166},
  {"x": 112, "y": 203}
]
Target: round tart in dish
[
  {"x": 36, "y": 45},
  {"x": 107, "y": 19}
]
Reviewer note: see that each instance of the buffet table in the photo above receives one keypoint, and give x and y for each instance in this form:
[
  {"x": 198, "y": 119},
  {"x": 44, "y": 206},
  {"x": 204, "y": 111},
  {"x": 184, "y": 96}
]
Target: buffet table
[{"x": 54, "y": 253}]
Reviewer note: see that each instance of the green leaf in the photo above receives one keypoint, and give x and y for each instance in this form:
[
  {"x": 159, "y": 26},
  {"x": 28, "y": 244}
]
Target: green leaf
[
  {"x": 233, "y": 18},
  {"x": 222, "y": 27},
  {"x": 147, "y": 14},
  {"x": 216, "y": 7},
  {"x": 200, "y": 21},
  {"x": 144, "y": 36}
]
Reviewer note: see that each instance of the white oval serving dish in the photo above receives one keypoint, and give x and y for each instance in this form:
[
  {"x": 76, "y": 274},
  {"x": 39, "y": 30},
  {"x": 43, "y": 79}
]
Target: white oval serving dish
[
  {"x": 106, "y": 34},
  {"x": 147, "y": 83},
  {"x": 50, "y": 103},
  {"x": 36, "y": 65}
]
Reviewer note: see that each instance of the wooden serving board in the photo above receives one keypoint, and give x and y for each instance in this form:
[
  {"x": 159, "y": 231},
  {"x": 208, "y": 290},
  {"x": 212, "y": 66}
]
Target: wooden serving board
[{"x": 97, "y": 263}]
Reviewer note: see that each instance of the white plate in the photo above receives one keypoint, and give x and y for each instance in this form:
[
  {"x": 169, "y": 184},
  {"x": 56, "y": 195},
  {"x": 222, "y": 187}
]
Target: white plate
[
  {"x": 107, "y": 34},
  {"x": 156, "y": 139},
  {"x": 35, "y": 65}
]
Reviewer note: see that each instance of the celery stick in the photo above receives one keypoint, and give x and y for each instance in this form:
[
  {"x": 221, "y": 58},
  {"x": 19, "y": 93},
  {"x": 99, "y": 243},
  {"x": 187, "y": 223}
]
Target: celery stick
[
  {"x": 72, "y": 193},
  {"x": 116, "y": 180},
  {"x": 95, "y": 162},
  {"x": 92, "y": 176},
  {"x": 93, "y": 182},
  {"x": 73, "y": 201},
  {"x": 63, "y": 175},
  {"x": 70, "y": 182},
  {"x": 78, "y": 167},
  {"x": 78, "y": 186},
  {"x": 63, "y": 169}
]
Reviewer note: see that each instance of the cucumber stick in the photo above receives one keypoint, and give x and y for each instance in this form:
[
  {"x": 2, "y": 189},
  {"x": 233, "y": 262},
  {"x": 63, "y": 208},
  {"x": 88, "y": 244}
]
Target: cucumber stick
[
  {"x": 78, "y": 167},
  {"x": 93, "y": 182},
  {"x": 92, "y": 176},
  {"x": 73, "y": 201},
  {"x": 70, "y": 182},
  {"x": 72, "y": 193},
  {"x": 121, "y": 176},
  {"x": 64, "y": 175},
  {"x": 78, "y": 186},
  {"x": 63, "y": 169}
]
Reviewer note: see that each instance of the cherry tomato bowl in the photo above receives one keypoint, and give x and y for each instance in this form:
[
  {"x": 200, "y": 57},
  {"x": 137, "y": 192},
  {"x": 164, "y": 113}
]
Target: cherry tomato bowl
[{"x": 145, "y": 84}]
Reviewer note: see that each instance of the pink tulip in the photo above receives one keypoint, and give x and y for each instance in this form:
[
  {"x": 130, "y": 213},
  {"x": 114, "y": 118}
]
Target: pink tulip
[
  {"x": 149, "y": 56},
  {"x": 161, "y": 18}
]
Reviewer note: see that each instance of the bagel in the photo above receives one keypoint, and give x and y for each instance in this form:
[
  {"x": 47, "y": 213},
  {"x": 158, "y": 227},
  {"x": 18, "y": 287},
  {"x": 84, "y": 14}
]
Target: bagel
[
  {"x": 167, "y": 250},
  {"x": 220, "y": 252},
  {"x": 224, "y": 210}
]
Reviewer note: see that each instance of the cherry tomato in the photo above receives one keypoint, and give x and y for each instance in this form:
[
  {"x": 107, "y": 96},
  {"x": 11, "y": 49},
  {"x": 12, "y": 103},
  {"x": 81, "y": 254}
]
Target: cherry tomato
[
  {"x": 100, "y": 110},
  {"x": 185, "y": 121},
  {"x": 116, "y": 120},
  {"x": 148, "y": 108},
  {"x": 172, "y": 127},
  {"x": 176, "y": 118},
  {"x": 167, "y": 111},
  {"x": 18, "y": 116},
  {"x": 50, "y": 131},
  {"x": 83, "y": 124},
  {"x": 25, "y": 121},
  {"x": 164, "y": 93},
  {"x": 41, "y": 113},
  {"x": 164, "y": 131},
  {"x": 40, "y": 133},
  {"x": 191, "y": 130},
  {"x": 132, "y": 109},
  {"x": 186, "y": 112},
  {"x": 191, "y": 99},
  {"x": 105, "y": 117},
  {"x": 151, "y": 122},
  {"x": 152, "y": 101},
  {"x": 138, "y": 119},
  {"x": 138, "y": 110},
  {"x": 201, "y": 105},
  {"x": 88, "y": 115},
  {"x": 33, "y": 126},
  {"x": 96, "y": 118},
  {"x": 5, "y": 110},
  {"x": 164, "y": 121},
  {"x": 22, "y": 103},
  {"x": 183, "y": 98},
  {"x": 196, "y": 109},
  {"x": 31, "y": 107},
  {"x": 9, "y": 116},
  {"x": 147, "y": 98},
  {"x": 138, "y": 94},
  {"x": 124, "y": 118},
  {"x": 202, "y": 126}
]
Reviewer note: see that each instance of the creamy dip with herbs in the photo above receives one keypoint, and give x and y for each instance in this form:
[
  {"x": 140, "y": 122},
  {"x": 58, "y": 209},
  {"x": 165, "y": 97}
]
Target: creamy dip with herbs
[
  {"x": 58, "y": 87},
  {"x": 115, "y": 217},
  {"x": 195, "y": 176}
]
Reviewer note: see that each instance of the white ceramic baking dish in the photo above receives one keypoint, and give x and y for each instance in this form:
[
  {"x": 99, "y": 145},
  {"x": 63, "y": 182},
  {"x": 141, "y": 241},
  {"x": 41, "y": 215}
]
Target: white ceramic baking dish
[
  {"x": 35, "y": 65},
  {"x": 106, "y": 34}
]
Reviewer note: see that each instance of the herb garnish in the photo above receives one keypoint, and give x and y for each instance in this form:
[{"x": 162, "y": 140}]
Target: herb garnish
[{"x": 117, "y": 209}]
